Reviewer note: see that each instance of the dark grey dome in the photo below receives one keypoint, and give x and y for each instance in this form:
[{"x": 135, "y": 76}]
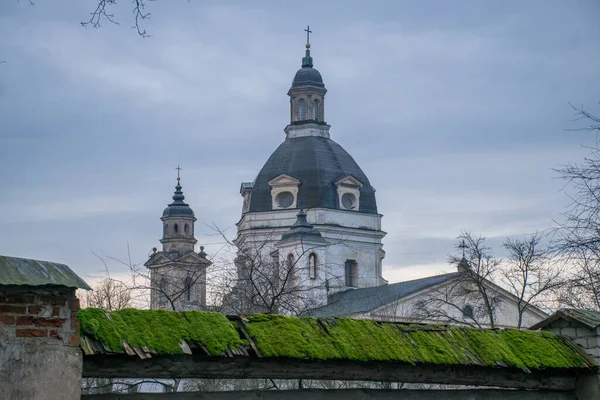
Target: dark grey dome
[
  {"x": 178, "y": 208},
  {"x": 308, "y": 77},
  {"x": 178, "y": 211},
  {"x": 318, "y": 163}
]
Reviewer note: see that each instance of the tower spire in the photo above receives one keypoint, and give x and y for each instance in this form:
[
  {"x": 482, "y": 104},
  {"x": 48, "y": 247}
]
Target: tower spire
[{"x": 307, "y": 61}]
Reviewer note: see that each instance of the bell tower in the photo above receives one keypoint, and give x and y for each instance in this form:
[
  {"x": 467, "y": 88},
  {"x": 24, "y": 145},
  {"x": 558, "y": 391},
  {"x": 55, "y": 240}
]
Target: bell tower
[{"x": 178, "y": 272}]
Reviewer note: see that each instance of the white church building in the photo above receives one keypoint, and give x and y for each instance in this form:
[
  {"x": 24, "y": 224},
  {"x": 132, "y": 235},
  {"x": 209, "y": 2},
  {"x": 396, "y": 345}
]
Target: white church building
[{"x": 310, "y": 206}]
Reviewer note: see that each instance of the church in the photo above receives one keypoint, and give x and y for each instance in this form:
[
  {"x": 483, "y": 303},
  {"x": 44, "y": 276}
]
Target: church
[{"x": 309, "y": 239}]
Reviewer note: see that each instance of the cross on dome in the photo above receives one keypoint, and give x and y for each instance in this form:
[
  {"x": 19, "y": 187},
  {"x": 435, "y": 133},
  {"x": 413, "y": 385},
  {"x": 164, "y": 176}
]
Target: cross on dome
[{"x": 308, "y": 32}]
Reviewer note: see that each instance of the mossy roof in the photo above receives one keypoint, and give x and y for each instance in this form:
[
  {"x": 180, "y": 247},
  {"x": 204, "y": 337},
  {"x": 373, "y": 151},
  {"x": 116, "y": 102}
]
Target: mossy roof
[
  {"x": 158, "y": 331},
  {"x": 277, "y": 336}
]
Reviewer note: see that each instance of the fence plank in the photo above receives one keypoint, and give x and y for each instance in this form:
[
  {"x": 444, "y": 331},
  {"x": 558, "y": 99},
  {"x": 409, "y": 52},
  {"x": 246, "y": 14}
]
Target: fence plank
[
  {"x": 195, "y": 366},
  {"x": 344, "y": 394}
]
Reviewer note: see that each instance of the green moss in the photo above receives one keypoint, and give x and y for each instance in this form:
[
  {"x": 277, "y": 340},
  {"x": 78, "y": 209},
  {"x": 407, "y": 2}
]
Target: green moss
[
  {"x": 325, "y": 339},
  {"x": 362, "y": 340},
  {"x": 213, "y": 330},
  {"x": 159, "y": 330}
]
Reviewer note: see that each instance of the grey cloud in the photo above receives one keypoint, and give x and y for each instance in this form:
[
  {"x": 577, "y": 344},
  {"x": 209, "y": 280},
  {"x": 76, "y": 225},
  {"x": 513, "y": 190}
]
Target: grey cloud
[{"x": 456, "y": 112}]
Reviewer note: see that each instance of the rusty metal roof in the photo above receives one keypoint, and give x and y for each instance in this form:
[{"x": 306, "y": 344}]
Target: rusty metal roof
[{"x": 25, "y": 271}]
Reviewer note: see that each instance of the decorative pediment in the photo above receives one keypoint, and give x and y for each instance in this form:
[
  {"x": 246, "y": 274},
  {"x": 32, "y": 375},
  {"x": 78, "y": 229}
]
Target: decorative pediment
[
  {"x": 349, "y": 181},
  {"x": 161, "y": 258},
  {"x": 284, "y": 180}
]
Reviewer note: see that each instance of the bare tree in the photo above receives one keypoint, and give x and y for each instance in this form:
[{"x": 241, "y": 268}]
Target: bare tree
[
  {"x": 103, "y": 12},
  {"x": 577, "y": 238},
  {"x": 108, "y": 294},
  {"x": 582, "y": 288},
  {"x": 530, "y": 274},
  {"x": 468, "y": 299},
  {"x": 269, "y": 281}
]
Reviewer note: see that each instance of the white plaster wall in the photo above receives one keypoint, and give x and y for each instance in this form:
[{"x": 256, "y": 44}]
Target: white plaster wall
[{"x": 351, "y": 236}]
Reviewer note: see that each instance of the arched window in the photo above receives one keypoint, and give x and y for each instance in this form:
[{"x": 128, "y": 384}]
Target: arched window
[
  {"x": 175, "y": 228},
  {"x": 315, "y": 110},
  {"x": 188, "y": 288},
  {"x": 312, "y": 266},
  {"x": 290, "y": 260},
  {"x": 162, "y": 296},
  {"x": 166, "y": 229},
  {"x": 468, "y": 311},
  {"x": 301, "y": 110},
  {"x": 186, "y": 229}
]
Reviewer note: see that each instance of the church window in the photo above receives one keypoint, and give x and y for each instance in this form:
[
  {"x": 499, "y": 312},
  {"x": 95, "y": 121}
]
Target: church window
[
  {"x": 162, "y": 296},
  {"x": 166, "y": 229},
  {"x": 468, "y": 311},
  {"x": 290, "y": 260},
  {"x": 285, "y": 199},
  {"x": 301, "y": 110},
  {"x": 315, "y": 110},
  {"x": 186, "y": 229},
  {"x": 312, "y": 266},
  {"x": 351, "y": 273},
  {"x": 188, "y": 288},
  {"x": 175, "y": 228},
  {"x": 349, "y": 201}
]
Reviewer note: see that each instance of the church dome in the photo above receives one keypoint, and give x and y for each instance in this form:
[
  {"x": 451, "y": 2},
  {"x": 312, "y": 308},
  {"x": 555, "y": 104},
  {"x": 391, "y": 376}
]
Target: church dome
[
  {"x": 308, "y": 77},
  {"x": 318, "y": 163}
]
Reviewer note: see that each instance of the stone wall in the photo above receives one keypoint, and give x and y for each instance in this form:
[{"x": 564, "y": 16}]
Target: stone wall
[{"x": 39, "y": 343}]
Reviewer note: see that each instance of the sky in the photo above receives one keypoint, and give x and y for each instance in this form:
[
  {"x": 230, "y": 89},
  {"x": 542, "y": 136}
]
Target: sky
[{"x": 458, "y": 112}]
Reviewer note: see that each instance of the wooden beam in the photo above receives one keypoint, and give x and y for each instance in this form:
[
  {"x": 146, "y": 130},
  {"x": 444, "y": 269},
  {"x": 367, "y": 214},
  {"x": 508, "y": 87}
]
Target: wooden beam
[
  {"x": 197, "y": 366},
  {"x": 343, "y": 394}
]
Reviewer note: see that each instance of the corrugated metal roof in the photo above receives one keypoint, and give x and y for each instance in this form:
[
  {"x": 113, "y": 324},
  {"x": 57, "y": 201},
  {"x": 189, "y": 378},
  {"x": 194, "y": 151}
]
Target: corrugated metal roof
[
  {"x": 355, "y": 301},
  {"x": 25, "y": 271},
  {"x": 589, "y": 318}
]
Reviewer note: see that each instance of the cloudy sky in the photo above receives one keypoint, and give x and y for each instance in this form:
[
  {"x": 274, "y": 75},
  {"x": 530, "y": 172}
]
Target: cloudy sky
[{"x": 455, "y": 110}]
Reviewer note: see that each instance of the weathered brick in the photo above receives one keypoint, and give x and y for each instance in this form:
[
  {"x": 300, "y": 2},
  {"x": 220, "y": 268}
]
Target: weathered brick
[
  {"x": 75, "y": 325},
  {"x": 38, "y": 332},
  {"x": 7, "y": 320},
  {"x": 53, "y": 333},
  {"x": 33, "y": 310},
  {"x": 12, "y": 309},
  {"x": 19, "y": 298},
  {"x": 56, "y": 322},
  {"x": 53, "y": 300},
  {"x": 55, "y": 311},
  {"x": 25, "y": 321},
  {"x": 74, "y": 340},
  {"x": 74, "y": 304}
]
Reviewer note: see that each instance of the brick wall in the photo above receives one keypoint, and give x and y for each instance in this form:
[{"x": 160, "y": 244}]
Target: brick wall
[
  {"x": 40, "y": 312},
  {"x": 40, "y": 357},
  {"x": 580, "y": 334}
]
